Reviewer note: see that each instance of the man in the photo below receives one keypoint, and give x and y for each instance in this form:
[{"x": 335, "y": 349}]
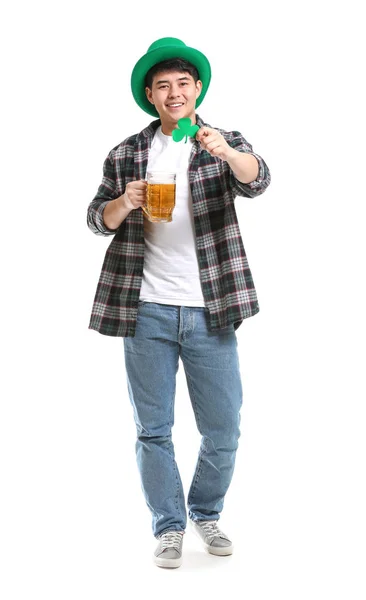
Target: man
[{"x": 178, "y": 290}]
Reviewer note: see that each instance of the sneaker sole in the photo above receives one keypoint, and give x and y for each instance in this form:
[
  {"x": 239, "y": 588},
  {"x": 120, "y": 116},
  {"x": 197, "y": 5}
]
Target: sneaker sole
[
  {"x": 227, "y": 551},
  {"x": 219, "y": 551},
  {"x": 168, "y": 563}
]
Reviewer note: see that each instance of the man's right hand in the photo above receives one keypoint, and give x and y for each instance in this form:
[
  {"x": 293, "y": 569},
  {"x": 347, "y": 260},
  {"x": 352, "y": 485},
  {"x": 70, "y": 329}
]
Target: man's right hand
[
  {"x": 135, "y": 194},
  {"x": 116, "y": 211}
]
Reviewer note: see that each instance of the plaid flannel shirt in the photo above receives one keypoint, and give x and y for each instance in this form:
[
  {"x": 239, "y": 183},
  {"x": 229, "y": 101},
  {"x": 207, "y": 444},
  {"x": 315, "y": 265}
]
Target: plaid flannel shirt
[{"x": 226, "y": 280}]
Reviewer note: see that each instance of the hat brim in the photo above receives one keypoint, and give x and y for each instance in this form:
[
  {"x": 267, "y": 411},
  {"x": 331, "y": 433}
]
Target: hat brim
[{"x": 155, "y": 56}]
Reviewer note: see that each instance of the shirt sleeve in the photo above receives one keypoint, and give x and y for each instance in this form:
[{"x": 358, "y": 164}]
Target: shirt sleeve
[
  {"x": 107, "y": 191},
  {"x": 260, "y": 184}
]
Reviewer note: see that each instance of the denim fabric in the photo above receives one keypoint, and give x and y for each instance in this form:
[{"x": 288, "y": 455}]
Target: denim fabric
[{"x": 211, "y": 363}]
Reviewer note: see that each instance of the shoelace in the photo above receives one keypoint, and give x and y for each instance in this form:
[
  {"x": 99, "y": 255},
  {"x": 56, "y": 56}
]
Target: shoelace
[
  {"x": 211, "y": 530},
  {"x": 171, "y": 539}
]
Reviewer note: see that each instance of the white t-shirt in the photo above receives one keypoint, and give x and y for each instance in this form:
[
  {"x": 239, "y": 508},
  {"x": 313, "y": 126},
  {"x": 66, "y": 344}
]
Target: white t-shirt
[{"x": 171, "y": 273}]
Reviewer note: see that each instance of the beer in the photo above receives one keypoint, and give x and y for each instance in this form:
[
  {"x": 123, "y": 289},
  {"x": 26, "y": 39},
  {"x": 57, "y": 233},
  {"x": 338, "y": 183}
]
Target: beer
[{"x": 160, "y": 197}]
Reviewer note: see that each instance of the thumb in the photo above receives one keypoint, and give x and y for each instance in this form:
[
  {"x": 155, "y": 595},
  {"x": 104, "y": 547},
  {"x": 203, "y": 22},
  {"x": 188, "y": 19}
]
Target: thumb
[{"x": 202, "y": 132}]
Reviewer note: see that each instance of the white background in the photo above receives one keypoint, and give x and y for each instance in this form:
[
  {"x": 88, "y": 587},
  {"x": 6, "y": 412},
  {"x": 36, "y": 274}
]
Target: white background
[{"x": 74, "y": 523}]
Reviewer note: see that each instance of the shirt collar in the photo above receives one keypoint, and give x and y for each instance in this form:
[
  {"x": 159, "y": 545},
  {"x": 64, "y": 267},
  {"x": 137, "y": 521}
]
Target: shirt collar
[{"x": 150, "y": 130}]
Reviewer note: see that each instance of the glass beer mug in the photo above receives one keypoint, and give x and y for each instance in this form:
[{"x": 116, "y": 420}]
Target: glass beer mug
[{"x": 160, "y": 200}]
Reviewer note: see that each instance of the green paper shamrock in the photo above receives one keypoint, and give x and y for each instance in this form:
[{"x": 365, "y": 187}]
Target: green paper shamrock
[{"x": 186, "y": 129}]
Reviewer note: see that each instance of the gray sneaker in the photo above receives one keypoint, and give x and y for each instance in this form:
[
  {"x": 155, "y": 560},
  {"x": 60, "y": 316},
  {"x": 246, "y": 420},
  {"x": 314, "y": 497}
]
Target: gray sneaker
[
  {"x": 214, "y": 540},
  {"x": 169, "y": 551}
]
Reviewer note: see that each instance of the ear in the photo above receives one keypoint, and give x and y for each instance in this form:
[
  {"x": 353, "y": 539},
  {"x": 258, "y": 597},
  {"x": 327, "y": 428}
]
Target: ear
[
  {"x": 198, "y": 88},
  {"x": 148, "y": 93}
]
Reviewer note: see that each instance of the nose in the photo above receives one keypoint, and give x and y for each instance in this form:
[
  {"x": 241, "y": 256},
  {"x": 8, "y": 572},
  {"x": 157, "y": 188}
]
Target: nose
[{"x": 174, "y": 92}]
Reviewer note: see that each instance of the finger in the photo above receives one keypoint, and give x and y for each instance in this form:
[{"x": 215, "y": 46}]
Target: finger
[
  {"x": 209, "y": 139},
  {"x": 213, "y": 145},
  {"x": 139, "y": 186},
  {"x": 202, "y": 133},
  {"x": 217, "y": 152}
]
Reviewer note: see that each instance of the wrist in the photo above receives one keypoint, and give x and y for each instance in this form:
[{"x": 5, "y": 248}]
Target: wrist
[
  {"x": 123, "y": 202},
  {"x": 231, "y": 154}
]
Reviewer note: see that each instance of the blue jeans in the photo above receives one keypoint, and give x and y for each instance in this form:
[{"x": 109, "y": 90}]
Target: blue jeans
[{"x": 211, "y": 363}]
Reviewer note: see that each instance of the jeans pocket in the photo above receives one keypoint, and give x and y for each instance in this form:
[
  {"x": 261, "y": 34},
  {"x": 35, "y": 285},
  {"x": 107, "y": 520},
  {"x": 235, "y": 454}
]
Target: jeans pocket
[
  {"x": 141, "y": 304},
  {"x": 228, "y": 329}
]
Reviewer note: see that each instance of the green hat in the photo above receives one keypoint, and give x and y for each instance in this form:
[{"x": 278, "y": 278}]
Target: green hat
[{"x": 164, "y": 49}]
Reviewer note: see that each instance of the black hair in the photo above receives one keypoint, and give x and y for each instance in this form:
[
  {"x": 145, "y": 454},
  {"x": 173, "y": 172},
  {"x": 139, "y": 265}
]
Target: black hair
[{"x": 172, "y": 64}]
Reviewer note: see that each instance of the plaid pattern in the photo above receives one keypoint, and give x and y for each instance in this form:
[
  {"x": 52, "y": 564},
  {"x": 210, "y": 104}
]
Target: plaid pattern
[{"x": 226, "y": 280}]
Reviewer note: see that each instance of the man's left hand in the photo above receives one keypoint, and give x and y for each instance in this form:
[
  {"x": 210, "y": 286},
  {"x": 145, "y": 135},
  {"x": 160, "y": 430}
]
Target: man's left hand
[{"x": 215, "y": 144}]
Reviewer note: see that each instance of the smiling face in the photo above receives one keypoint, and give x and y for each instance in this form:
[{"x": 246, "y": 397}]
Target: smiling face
[{"x": 174, "y": 96}]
